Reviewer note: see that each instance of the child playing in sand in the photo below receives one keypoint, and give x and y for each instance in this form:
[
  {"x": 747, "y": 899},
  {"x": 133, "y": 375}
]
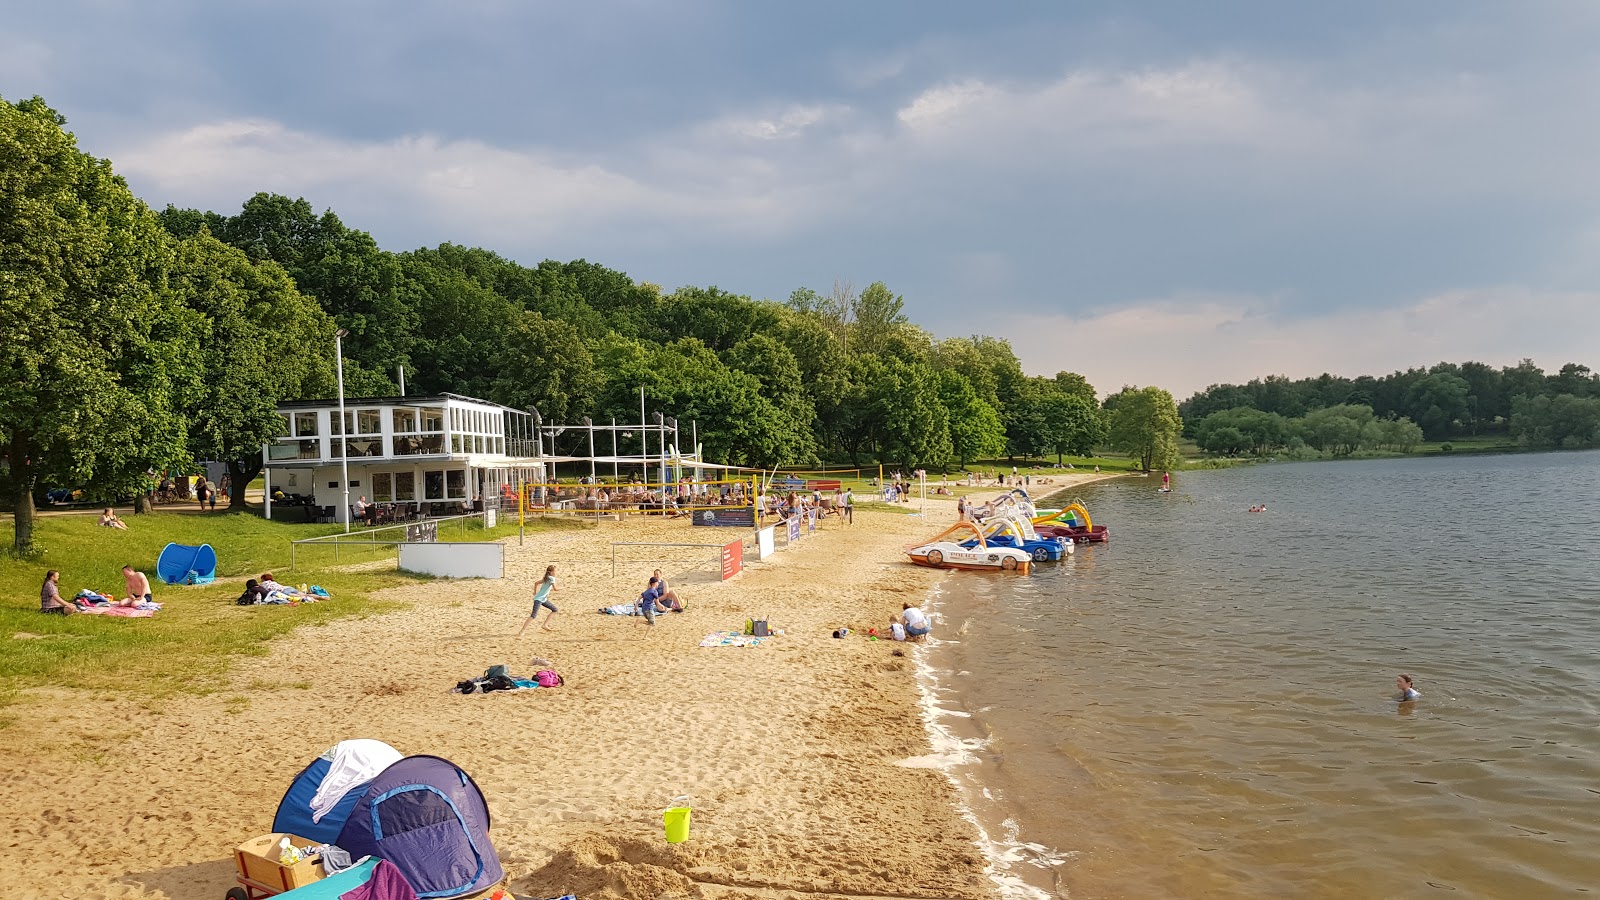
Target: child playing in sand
[
  {"x": 541, "y": 597},
  {"x": 648, "y": 602}
]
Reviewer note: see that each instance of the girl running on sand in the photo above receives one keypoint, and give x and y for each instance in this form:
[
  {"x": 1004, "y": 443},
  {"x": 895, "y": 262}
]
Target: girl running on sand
[{"x": 541, "y": 597}]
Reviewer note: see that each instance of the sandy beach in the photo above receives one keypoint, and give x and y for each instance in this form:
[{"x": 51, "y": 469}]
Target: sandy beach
[{"x": 789, "y": 750}]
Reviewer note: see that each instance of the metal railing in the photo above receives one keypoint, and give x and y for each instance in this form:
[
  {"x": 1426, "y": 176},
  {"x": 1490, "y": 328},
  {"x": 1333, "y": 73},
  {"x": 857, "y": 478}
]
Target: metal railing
[{"x": 367, "y": 537}]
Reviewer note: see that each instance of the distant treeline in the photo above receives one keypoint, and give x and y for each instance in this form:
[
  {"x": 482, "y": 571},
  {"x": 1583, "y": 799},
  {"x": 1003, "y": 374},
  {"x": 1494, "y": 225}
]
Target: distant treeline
[{"x": 1341, "y": 415}]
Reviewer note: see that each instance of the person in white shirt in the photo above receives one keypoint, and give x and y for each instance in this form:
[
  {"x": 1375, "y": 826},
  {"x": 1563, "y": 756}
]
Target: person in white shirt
[{"x": 917, "y": 624}]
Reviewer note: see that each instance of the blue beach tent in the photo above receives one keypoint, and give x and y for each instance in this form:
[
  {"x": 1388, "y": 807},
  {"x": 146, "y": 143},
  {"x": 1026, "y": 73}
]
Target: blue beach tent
[
  {"x": 423, "y": 814},
  {"x": 182, "y": 564}
]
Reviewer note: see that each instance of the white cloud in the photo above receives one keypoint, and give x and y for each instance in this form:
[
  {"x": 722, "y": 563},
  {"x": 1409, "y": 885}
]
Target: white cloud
[
  {"x": 1184, "y": 344},
  {"x": 786, "y": 124}
]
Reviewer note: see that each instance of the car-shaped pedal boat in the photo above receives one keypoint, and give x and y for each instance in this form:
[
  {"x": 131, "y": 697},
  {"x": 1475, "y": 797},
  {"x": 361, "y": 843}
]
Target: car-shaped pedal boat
[
  {"x": 1072, "y": 523},
  {"x": 1007, "y": 532},
  {"x": 946, "y": 552}
]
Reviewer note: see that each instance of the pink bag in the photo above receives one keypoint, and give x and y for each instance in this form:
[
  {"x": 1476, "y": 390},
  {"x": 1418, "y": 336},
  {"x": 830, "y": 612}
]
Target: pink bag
[{"x": 547, "y": 678}]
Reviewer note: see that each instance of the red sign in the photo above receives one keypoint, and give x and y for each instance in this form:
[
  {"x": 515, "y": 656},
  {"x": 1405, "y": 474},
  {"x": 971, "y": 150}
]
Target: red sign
[{"x": 732, "y": 559}]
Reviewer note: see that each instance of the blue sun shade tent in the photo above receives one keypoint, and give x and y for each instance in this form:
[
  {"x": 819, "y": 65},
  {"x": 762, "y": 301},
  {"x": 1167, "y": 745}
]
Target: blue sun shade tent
[
  {"x": 423, "y": 814},
  {"x": 182, "y": 564}
]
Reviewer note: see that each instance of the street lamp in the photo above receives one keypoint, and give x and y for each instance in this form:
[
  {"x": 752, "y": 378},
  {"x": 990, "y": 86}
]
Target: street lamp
[{"x": 344, "y": 443}]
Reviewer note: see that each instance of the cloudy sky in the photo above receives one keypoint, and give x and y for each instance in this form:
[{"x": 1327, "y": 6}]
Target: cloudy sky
[{"x": 1160, "y": 193}]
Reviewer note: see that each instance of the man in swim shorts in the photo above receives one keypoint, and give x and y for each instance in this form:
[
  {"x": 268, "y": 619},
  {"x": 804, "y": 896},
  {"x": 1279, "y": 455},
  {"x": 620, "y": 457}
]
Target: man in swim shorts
[{"x": 138, "y": 587}]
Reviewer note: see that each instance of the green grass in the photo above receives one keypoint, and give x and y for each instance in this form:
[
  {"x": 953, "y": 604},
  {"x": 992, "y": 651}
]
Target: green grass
[{"x": 183, "y": 647}]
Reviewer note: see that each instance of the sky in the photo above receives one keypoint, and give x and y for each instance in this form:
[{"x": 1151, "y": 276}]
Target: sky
[{"x": 1165, "y": 193}]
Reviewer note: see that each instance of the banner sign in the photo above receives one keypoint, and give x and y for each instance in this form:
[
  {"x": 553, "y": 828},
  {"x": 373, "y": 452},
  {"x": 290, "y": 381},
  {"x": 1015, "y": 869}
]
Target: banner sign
[
  {"x": 732, "y": 559},
  {"x": 727, "y": 516},
  {"x": 794, "y": 529}
]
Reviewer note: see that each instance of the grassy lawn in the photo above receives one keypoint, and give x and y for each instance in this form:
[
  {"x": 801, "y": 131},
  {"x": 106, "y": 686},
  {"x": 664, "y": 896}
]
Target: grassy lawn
[{"x": 200, "y": 628}]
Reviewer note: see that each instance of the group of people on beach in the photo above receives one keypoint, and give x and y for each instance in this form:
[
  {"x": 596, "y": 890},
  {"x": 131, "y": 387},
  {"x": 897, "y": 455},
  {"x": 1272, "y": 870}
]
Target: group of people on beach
[
  {"x": 657, "y": 597},
  {"x": 51, "y": 602}
]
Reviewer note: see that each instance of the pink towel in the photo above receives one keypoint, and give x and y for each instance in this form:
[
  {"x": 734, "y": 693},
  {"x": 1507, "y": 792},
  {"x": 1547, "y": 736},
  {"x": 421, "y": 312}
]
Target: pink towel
[{"x": 126, "y": 612}]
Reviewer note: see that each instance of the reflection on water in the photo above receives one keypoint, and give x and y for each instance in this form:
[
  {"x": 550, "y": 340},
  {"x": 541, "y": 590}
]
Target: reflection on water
[{"x": 1206, "y": 705}]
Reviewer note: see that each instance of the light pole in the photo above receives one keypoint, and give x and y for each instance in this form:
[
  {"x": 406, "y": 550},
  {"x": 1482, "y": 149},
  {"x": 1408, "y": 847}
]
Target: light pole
[{"x": 344, "y": 443}]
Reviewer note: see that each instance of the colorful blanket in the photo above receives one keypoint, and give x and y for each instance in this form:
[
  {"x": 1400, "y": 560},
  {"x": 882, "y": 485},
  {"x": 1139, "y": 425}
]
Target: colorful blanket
[
  {"x": 142, "y": 611},
  {"x": 730, "y": 639}
]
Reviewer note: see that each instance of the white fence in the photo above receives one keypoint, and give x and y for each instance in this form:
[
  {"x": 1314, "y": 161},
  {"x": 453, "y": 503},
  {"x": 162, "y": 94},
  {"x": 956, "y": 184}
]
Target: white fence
[{"x": 457, "y": 559}]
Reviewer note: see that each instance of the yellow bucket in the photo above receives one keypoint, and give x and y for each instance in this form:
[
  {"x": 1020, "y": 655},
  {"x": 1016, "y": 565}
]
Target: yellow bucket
[{"x": 676, "y": 821}]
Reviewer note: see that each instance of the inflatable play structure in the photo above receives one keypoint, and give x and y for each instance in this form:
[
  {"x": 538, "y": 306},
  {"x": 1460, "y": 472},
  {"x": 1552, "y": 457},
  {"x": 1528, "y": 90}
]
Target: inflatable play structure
[
  {"x": 421, "y": 813},
  {"x": 183, "y": 564},
  {"x": 1073, "y": 523},
  {"x": 947, "y": 552}
]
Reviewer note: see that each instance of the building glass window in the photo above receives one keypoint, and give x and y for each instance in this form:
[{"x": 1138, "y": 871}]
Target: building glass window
[
  {"x": 405, "y": 421},
  {"x": 456, "y": 484},
  {"x": 432, "y": 419},
  {"x": 405, "y": 485},
  {"x": 305, "y": 424},
  {"x": 382, "y": 487},
  {"x": 369, "y": 421},
  {"x": 433, "y": 485}
]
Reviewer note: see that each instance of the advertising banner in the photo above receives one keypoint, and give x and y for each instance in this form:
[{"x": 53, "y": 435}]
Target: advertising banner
[
  {"x": 732, "y": 559},
  {"x": 727, "y": 516},
  {"x": 794, "y": 529}
]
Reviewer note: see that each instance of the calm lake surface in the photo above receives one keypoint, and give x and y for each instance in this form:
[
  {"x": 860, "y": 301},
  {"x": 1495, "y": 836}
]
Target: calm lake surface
[{"x": 1204, "y": 707}]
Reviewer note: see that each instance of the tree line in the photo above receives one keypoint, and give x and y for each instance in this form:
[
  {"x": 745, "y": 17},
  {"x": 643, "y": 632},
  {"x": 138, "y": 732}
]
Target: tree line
[
  {"x": 1448, "y": 400},
  {"x": 140, "y": 341}
]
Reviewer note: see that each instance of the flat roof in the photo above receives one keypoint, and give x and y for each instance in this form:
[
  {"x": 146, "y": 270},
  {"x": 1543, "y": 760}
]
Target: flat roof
[{"x": 411, "y": 400}]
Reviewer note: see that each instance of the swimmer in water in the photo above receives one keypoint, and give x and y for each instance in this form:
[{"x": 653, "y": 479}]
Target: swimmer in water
[{"x": 1407, "y": 687}]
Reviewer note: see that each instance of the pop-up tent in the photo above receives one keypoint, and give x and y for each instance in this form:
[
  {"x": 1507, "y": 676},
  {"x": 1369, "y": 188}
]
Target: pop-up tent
[
  {"x": 421, "y": 813},
  {"x": 182, "y": 564}
]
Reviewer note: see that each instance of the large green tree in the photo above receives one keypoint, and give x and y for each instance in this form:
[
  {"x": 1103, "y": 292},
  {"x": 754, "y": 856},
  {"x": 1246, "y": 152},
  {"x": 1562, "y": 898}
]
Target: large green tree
[
  {"x": 1145, "y": 424},
  {"x": 96, "y": 348},
  {"x": 260, "y": 341}
]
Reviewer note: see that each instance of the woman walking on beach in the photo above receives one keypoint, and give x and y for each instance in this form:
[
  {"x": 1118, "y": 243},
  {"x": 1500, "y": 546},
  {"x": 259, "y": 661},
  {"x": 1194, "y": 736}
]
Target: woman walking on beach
[{"x": 541, "y": 597}]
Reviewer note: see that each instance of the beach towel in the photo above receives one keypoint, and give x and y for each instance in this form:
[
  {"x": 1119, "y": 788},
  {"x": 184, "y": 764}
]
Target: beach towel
[
  {"x": 731, "y": 639},
  {"x": 142, "y": 611},
  {"x": 353, "y": 762},
  {"x": 621, "y": 609}
]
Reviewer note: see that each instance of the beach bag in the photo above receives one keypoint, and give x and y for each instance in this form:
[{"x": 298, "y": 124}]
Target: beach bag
[
  {"x": 548, "y": 678},
  {"x": 500, "y": 671},
  {"x": 759, "y": 628},
  {"x": 467, "y": 687}
]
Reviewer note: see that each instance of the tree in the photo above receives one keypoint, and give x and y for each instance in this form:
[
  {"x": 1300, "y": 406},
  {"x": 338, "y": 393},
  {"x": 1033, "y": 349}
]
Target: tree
[
  {"x": 95, "y": 347},
  {"x": 1438, "y": 402},
  {"x": 1145, "y": 424},
  {"x": 249, "y": 314},
  {"x": 1339, "y": 430},
  {"x": 975, "y": 428},
  {"x": 878, "y": 313}
]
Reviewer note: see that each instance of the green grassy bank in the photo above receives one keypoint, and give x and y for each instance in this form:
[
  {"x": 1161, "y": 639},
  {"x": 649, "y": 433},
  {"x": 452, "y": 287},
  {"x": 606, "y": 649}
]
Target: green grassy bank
[{"x": 199, "y": 628}]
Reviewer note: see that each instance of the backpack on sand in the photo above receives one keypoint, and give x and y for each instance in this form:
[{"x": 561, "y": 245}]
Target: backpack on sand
[{"x": 547, "y": 678}]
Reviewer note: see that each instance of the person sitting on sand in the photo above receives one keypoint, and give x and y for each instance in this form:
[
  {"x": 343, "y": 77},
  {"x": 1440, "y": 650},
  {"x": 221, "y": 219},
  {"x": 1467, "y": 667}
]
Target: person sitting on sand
[
  {"x": 138, "y": 587},
  {"x": 50, "y": 601},
  {"x": 541, "y": 597},
  {"x": 1408, "y": 690},
  {"x": 669, "y": 598},
  {"x": 917, "y": 624},
  {"x": 109, "y": 519}
]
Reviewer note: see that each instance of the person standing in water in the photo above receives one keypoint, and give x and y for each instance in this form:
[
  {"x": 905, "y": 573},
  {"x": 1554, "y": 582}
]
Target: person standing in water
[
  {"x": 1166, "y": 480},
  {"x": 541, "y": 597},
  {"x": 1407, "y": 687}
]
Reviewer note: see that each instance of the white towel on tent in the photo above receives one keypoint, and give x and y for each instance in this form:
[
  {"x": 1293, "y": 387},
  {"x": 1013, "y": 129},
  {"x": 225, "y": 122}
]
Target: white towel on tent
[{"x": 354, "y": 762}]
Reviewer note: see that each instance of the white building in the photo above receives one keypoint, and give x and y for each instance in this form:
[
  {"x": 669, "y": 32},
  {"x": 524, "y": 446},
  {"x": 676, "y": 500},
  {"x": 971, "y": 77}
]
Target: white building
[{"x": 434, "y": 455}]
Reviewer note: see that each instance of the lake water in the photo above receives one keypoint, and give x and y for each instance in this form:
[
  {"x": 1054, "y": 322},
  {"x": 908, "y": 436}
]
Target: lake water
[{"x": 1204, "y": 706}]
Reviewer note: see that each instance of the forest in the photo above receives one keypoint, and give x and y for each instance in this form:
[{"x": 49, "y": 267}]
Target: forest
[{"x": 1339, "y": 416}]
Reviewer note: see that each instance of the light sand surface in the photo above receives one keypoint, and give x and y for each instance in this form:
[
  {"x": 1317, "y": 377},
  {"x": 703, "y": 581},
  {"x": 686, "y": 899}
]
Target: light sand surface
[{"x": 789, "y": 749}]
